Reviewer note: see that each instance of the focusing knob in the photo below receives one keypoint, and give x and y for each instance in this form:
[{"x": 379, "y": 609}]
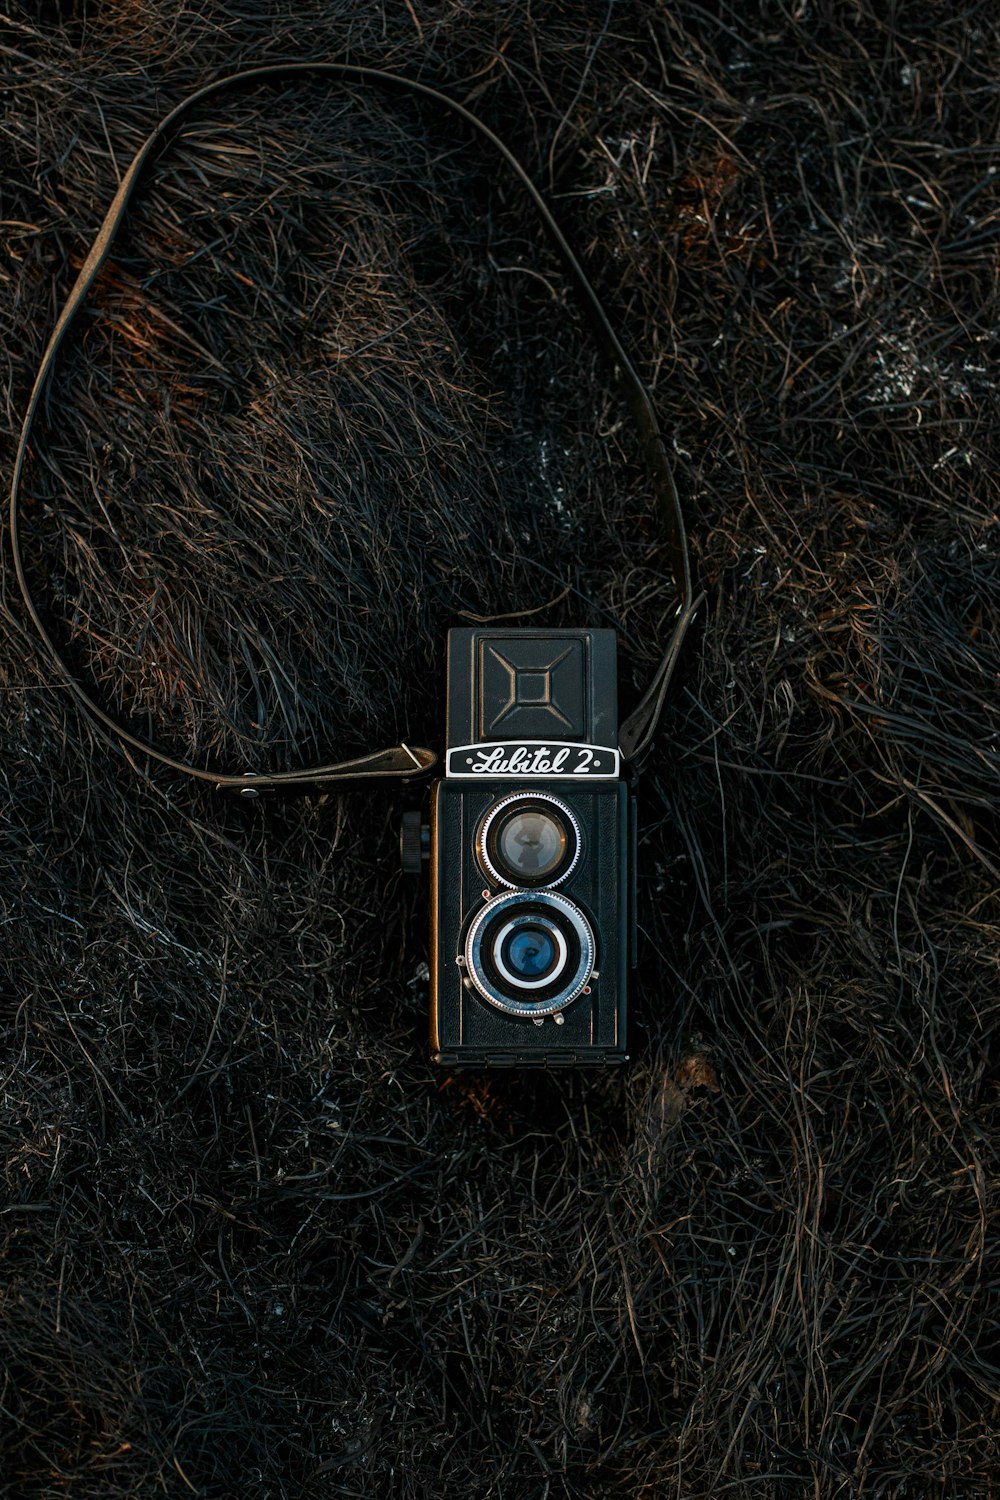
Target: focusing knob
[{"x": 414, "y": 843}]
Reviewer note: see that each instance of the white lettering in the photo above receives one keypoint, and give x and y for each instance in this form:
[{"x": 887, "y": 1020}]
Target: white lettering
[
  {"x": 533, "y": 760},
  {"x": 491, "y": 762}
]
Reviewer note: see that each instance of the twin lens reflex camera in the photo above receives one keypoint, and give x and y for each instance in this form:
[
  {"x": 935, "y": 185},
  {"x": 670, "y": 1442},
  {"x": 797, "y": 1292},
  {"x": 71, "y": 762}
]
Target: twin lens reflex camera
[{"x": 531, "y": 847}]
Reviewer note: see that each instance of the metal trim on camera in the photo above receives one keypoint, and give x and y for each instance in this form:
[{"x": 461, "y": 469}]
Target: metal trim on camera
[
  {"x": 559, "y": 980},
  {"x": 492, "y": 837}
]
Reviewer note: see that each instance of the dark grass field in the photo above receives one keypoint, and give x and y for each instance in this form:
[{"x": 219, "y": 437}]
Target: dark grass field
[{"x": 329, "y": 397}]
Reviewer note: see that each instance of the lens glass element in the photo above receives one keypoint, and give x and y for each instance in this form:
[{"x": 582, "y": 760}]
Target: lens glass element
[
  {"x": 532, "y": 843},
  {"x": 530, "y": 952}
]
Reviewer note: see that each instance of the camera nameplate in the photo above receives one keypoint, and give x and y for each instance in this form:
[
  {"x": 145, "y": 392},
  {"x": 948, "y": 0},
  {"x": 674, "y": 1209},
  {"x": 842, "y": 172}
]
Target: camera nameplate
[{"x": 526, "y": 758}]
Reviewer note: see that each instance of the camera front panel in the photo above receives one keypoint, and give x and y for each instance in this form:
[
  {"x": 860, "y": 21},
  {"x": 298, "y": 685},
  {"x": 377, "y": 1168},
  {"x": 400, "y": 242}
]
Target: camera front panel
[{"x": 531, "y": 913}]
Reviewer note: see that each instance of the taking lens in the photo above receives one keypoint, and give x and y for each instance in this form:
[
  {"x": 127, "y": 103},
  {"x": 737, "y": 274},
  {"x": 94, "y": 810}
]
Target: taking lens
[
  {"x": 530, "y": 952},
  {"x": 529, "y": 840}
]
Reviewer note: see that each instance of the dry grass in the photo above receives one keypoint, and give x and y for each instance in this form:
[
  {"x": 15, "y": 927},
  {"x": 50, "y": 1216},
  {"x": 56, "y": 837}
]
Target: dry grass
[{"x": 327, "y": 399}]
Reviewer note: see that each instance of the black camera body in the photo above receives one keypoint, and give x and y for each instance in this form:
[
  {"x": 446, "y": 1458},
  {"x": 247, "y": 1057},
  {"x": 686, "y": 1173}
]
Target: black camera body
[{"x": 531, "y": 847}]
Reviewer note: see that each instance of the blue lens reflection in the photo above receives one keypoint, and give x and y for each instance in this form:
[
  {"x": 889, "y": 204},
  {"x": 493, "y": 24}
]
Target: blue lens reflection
[{"x": 530, "y": 952}]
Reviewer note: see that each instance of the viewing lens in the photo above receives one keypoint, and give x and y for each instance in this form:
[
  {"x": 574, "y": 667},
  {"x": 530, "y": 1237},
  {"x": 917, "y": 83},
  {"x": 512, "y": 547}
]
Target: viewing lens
[
  {"x": 529, "y": 839},
  {"x": 530, "y": 952},
  {"x": 532, "y": 843}
]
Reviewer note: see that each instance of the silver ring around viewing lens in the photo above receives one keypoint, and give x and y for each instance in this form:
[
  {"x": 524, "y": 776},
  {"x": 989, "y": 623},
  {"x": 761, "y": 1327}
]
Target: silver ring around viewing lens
[
  {"x": 563, "y": 980},
  {"x": 491, "y": 859}
]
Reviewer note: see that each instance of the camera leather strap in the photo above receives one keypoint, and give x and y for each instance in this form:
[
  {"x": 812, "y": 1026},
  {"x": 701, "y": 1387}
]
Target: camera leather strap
[{"x": 402, "y": 760}]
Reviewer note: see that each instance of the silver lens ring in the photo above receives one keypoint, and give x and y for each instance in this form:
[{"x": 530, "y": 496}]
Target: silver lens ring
[
  {"x": 571, "y": 973},
  {"x": 500, "y": 811},
  {"x": 519, "y": 924}
]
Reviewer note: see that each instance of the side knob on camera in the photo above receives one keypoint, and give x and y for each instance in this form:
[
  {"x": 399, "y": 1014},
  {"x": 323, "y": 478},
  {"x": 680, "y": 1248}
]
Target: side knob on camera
[{"x": 414, "y": 842}]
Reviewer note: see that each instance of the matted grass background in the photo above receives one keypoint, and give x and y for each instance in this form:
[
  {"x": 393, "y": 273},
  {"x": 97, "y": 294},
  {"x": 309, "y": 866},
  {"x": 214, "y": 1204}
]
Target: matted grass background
[{"x": 330, "y": 396}]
